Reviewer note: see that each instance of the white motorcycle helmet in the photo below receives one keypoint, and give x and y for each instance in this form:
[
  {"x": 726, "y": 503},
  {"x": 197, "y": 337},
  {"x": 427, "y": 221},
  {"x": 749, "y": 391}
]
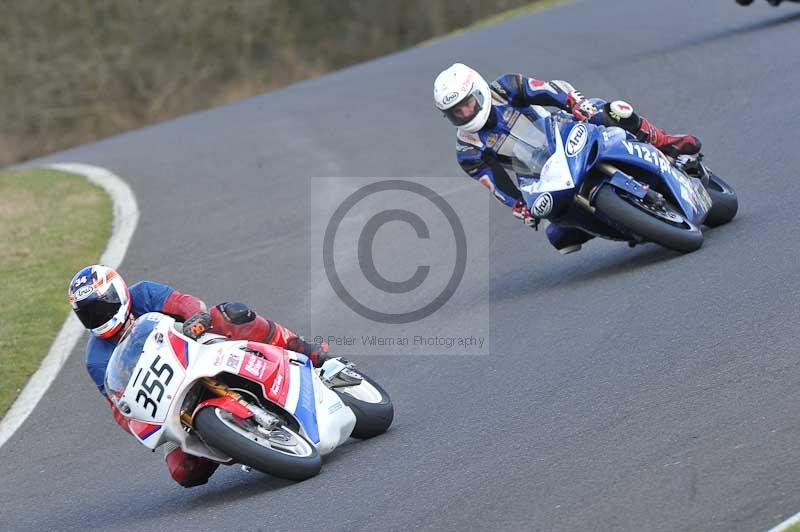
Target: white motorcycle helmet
[{"x": 464, "y": 97}]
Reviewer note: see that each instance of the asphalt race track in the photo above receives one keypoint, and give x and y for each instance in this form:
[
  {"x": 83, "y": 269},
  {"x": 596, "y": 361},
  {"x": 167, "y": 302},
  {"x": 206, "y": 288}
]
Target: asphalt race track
[{"x": 629, "y": 389}]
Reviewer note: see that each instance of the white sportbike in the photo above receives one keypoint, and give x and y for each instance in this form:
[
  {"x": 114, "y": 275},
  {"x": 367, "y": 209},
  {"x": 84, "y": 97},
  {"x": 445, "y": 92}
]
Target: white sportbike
[{"x": 238, "y": 401}]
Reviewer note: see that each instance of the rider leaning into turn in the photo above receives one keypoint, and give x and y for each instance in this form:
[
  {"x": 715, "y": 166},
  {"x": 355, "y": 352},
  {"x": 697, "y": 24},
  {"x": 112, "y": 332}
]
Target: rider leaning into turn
[
  {"x": 107, "y": 307},
  {"x": 484, "y": 114}
]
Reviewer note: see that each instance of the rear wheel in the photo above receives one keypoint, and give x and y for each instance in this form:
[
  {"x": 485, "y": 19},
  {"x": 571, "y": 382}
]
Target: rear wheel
[
  {"x": 369, "y": 402},
  {"x": 663, "y": 225},
  {"x": 277, "y": 451},
  {"x": 724, "y": 203}
]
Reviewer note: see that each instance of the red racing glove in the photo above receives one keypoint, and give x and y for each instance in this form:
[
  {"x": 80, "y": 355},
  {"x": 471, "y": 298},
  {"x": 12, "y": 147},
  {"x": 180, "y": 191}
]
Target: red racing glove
[{"x": 581, "y": 108}]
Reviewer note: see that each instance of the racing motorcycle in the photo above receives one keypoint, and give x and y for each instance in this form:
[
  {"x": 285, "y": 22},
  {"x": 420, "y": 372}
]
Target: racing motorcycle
[
  {"x": 773, "y": 3},
  {"x": 238, "y": 401},
  {"x": 605, "y": 182}
]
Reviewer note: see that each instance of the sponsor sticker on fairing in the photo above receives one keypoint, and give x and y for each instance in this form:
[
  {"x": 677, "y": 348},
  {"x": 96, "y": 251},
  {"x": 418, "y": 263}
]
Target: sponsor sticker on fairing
[
  {"x": 255, "y": 366},
  {"x": 276, "y": 385},
  {"x": 234, "y": 361},
  {"x": 542, "y": 205},
  {"x": 576, "y": 140}
]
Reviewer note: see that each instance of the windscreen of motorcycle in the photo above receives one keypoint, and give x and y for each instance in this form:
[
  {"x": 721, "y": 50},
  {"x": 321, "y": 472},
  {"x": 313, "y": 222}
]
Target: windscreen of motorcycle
[
  {"x": 126, "y": 355},
  {"x": 527, "y": 147}
]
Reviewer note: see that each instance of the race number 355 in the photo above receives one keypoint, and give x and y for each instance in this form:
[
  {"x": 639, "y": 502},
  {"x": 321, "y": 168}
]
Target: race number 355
[{"x": 153, "y": 384}]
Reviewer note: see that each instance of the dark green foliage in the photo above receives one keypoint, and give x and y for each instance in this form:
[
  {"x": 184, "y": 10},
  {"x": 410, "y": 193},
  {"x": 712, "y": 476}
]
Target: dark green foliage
[{"x": 74, "y": 71}]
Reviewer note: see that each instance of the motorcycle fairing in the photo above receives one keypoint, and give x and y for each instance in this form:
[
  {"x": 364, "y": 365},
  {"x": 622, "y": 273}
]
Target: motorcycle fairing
[
  {"x": 305, "y": 408},
  {"x": 287, "y": 379},
  {"x": 284, "y": 376},
  {"x": 581, "y": 143},
  {"x": 180, "y": 347},
  {"x": 624, "y": 182},
  {"x": 689, "y": 194},
  {"x": 575, "y": 147},
  {"x": 148, "y": 397},
  {"x": 146, "y": 433}
]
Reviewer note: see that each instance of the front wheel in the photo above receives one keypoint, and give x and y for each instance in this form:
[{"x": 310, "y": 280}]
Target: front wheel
[
  {"x": 724, "y": 203},
  {"x": 369, "y": 402},
  {"x": 278, "y": 451},
  {"x": 662, "y": 225}
]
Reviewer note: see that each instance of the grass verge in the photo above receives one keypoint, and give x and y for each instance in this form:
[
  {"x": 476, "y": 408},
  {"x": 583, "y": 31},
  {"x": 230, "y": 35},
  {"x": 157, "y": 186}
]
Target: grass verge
[{"x": 52, "y": 223}]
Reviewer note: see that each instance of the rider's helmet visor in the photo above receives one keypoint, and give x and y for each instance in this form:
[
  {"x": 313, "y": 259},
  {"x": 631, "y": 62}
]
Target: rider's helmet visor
[
  {"x": 98, "y": 310},
  {"x": 465, "y": 110}
]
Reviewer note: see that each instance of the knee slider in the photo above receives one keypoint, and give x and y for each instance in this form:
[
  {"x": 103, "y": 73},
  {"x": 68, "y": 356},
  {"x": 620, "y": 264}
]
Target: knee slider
[{"x": 236, "y": 313}]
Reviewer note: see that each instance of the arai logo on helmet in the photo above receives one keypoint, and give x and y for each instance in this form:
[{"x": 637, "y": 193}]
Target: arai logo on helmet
[
  {"x": 83, "y": 292},
  {"x": 542, "y": 205},
  {"x": 450, "y": 98},
  {"x": 576, "y": 140}
]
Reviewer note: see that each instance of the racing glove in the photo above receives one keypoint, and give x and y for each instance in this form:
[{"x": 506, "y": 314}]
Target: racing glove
[
  {"x": 197, "y": 324},
  {"x": 581, "y": 108},
  {"x": 520, "y": 210}
]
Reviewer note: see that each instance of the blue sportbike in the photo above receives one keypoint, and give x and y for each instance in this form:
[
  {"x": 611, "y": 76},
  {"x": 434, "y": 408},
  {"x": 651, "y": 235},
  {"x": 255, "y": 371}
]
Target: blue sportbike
[{"x": 603, "y": 181}]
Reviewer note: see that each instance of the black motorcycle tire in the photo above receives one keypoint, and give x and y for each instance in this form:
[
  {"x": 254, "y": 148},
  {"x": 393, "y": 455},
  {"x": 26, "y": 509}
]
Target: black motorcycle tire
[
  {"x": 724, "y": 203},
  {"x": 372, "y": 417},
  {"x": 216, "y": 433},
  {"x": 620, "y": 211}
]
